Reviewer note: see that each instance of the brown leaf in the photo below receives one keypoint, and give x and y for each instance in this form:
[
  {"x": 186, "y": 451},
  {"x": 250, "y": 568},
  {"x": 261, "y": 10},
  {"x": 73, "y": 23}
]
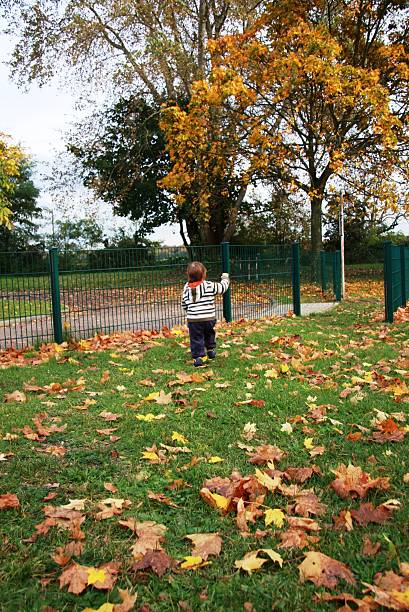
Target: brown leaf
[
  {"x": 392, "y": 590},
  {"x": 150, "y": 535},
  {"x": 74, "y": 576},
  {"x": 353, "y": 481},
  {"x": 369, "y": 549},
  {"x": 388, "y": 431},
  {"x": 301, "y": 474},
  {"x": 109, "y": 416},
  {"x": 297, "y": 522},
  {"x": 108, "y": 486},
  {"x": 111, "y": 507},
  {"x": 205, "y": 544},
  {"x": 161, "y": 498},
  {"x": 360, "y": 605},
  {"x": 16, "y": 396},
  {"x": 157, "y": 560},
  {"x": 105, "y": 377},
  {"x": 367, "y": 513},
  {"x": 128, "y": 601},
  {"x": 9, "y": 500},
  {"x": 266, "y": 453},
  {"x": 323, "y": 570},
  {"x": 296, "y": 538},
  {"x": 110, "y": 571},
  {"x": 307, "y": 503}
]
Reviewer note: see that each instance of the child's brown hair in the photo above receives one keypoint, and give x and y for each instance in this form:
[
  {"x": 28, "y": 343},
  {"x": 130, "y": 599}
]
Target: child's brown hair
[{"x": 196, "y": 272}]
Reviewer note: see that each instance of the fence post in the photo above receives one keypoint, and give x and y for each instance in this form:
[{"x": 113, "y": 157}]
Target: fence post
[
  {"x": 387, "y": 269},
  {"x": 225, "y": 252},
  {"x": 296, "y": 278},
  {"x": 336, "y": 277},
  {"x": 324, "y": 279},
  {"x": 55, "y": 295},
  {"x": 403, "y": 271}
]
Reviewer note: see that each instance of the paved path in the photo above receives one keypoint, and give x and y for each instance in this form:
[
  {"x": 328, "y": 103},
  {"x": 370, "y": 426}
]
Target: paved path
[{"x": 23, "y": 332}]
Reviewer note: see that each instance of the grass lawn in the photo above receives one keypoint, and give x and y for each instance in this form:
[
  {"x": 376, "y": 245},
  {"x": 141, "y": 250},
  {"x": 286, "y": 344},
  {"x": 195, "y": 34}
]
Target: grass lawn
[
  {"x": 297, "y": 368},
  {"x": 12, "y": 309}
]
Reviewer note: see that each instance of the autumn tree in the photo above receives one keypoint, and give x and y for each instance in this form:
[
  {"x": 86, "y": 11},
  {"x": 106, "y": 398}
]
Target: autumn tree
[
  {"x": 330, "y": 94},
  {"x": 11, "y": 161}
]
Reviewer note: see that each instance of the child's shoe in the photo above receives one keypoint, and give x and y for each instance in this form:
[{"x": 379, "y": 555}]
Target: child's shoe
[
  {"x": 199, "y": 362},
  {"x": 211, "y": 354}
]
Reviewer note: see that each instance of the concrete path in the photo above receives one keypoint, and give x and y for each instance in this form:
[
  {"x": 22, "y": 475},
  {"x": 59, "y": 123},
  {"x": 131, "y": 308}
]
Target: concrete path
[{"x": 23, "y": 332}]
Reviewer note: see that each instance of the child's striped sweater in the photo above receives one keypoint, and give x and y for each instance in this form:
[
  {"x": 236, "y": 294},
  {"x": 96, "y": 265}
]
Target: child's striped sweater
[{"x": 203, "y": 308}]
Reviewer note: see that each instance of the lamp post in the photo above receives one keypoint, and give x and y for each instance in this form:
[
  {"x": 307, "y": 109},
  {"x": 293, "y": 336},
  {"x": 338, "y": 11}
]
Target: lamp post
[{"x": 342, "y": 236}]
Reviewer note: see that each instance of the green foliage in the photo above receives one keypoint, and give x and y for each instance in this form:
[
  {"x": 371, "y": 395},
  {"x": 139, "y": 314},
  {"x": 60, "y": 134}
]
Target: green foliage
[
  {"x": 81, "y": 234},
  {"x": 23, "y": 202},
  {"x": 123, "y": 161}
]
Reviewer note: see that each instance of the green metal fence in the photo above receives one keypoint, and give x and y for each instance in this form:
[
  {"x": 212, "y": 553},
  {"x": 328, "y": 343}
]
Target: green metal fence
[
  {"x": 57, "y": 296},
  {"x": 396, "y": 278}
]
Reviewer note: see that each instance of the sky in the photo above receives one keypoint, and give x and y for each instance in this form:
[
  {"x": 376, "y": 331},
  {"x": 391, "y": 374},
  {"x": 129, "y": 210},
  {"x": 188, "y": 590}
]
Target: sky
[{"x": 37, "y": 119}]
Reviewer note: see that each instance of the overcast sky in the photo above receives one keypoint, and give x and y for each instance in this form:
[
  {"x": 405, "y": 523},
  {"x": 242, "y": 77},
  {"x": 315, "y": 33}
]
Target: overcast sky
[{"x": 37, "y": 119}]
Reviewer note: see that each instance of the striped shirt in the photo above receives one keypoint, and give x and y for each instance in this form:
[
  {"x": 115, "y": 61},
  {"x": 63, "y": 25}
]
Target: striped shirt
[{"x": 203, "y": 308}]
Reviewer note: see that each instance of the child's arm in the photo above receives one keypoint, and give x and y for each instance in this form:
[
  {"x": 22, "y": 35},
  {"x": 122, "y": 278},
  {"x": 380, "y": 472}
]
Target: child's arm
[{"x": 220, "y": 288}]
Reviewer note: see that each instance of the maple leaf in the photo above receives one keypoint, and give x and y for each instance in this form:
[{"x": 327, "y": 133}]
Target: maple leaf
[
  {"x": 16, "y": 396},
  {"x": 368, "y": 548},
  {"x": 361, "y": 605},
  {"x": 215, "y": 459},
  {"x": 128, "y": 601},
  {"x": 388, "y": 431},
  {"x": 307, "y": 503},
  {"x": 150, "y": 535},
  {"x": 323, "y": 570},
  {"x": 103, "y": 577},
  {"x": 205, "y": 544},
  {"x": 392, "y": 590},
  {"x": 343, "y": 520},
  {"x": 352, "y": 480},
  {"x": 301, "y": 474},
  {"x": 266, "y": 453},
  {"x": 275, "y": 516},
  {"x": 163, "y": 398},
  {"x": 296, "y": 538},
  {"x": 160, "y": 497},
  {"x": 251, "y": 561},
  {"x": 157, "y": 560},
  {"x": 298, "y": 522},
  {"x": 108, "y": 486},
  {"x": 367, "y": 513},
  {"x": 75, "y": 576},
  {"x": 214, "y": 499},
  {"x": 177, "y": 437},
  {"x": 109, "y": 416},
  {"x": 193, "y": 563},
  {"x": 9, "y": 500},
  {"x": 266, "y": 481},
  {"x": 111, "y": 507}
]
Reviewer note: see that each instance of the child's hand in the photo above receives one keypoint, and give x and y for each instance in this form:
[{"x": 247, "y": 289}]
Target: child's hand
[{"x": 225, "y": 276}]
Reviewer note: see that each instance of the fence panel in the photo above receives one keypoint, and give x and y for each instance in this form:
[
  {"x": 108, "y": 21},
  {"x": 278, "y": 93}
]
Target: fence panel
[
  {"x": 118, "y": 290},
  {"x": 25, "y": 298},
  {"x": 396, "y": 278},
  {"x": 261, "y": 280},
  {"x": 320, "y": 276}
]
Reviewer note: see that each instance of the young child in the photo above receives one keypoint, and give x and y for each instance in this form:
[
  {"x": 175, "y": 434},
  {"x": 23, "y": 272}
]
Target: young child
[{"x": 198, "y": 302}]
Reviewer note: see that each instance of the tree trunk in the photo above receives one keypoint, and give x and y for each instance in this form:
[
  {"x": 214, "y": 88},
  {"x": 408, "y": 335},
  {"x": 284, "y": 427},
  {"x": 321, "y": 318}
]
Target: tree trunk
[{"x": 316, "y": 224}]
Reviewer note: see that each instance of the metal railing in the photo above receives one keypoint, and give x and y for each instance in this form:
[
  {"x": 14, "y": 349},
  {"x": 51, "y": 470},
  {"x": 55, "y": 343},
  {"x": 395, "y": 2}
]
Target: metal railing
[
  {"x": 57, "y": 296},
  {"x": 396, "y": 278}
]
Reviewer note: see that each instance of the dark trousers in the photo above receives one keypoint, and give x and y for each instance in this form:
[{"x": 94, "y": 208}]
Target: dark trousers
[{"x": 202, "y": 337}]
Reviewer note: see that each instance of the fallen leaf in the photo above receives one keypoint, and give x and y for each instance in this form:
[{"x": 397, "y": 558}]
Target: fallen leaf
[
  {"x": 275, "y": 516},
  {"x": 9, "y": 500},
  {"x": 193, "y": 563},
  {"x": 16, "y": 396},
  {"x": 353, "y": 481},
  {"x": 205, "y": 544},
  {"x": 157, "y": 560},
  {"x": 266, "y": 453},
  {"x": 370, "y": 549},
  {"x": 323, "y": 570}
]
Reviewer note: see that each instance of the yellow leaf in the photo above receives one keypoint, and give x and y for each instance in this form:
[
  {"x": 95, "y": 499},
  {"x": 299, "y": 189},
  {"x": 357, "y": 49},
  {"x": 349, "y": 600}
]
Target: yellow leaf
[
  {"x": 152, "y": 396},
  {"x": 274, "y": 556},
  {"x": 271, "y": 374},
  {"x": 250, "y": 563},
  {"x": 214, "y": 459},
  {"x": 193, "y": 563},
  {"x": 275, "y": 516},
  {"x": 96, "y": 575},
  {"x": 149, "y": 417},
  {"x": 308, "y": 443},
  {"x": 284, "y": 368},
  {"x": 151, "y": 456},
  {"x": 264, "y": 479},
  {"x": 177, "y": 437},
  {"x": 106, "y": 607}
]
